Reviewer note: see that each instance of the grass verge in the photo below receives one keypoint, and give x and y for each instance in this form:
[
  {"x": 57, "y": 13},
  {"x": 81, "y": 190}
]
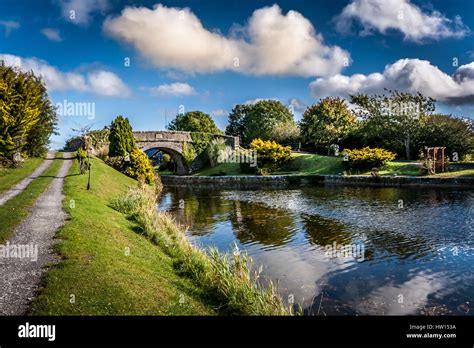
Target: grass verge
[
  {"x": 12, "y": 176},
  {"x": 107, "y": 268},
  {"x": 16, "y": 209},
  {"x": 227, "y": 279},
  {"x": 465, "y": 169},
  {"x": 313, "y": 164}
]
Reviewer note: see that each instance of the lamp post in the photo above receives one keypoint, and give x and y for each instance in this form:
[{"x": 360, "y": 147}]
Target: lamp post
[{"x": 89, "y": 165}]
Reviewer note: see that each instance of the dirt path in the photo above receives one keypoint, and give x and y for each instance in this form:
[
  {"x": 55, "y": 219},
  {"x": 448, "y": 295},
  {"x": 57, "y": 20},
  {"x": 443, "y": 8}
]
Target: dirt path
[
  {"x": 32, "y": 240},
  {"x": 18, "y": 188}
]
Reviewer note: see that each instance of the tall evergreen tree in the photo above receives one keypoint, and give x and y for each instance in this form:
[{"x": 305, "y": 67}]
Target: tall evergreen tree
[{"x": 121, "y": 137}]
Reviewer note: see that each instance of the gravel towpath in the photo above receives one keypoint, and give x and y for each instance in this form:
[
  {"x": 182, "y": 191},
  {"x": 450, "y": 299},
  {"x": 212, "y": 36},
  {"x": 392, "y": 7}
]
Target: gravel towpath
[
  {"x": 18, "y": 188},
  {"x": 32, "y": 240}
]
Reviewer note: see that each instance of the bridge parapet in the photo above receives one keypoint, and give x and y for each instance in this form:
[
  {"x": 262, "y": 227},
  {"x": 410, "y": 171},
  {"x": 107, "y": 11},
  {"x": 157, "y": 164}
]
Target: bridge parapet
[
  {"x": 178, "y": 136},
  {"x": 175, "y": 136}
]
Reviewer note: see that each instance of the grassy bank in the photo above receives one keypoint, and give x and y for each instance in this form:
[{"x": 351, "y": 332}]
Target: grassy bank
[
  {"x": 107, "y": 268},
  {"x": 459, "y": 170},
  {"x": 313, "y": 164},
  {"x": 110, "y": 264},
  {"x": 17, "y": 208},
  {"x": 228, "y": 280},
  {"x": 9, "y": 177}
]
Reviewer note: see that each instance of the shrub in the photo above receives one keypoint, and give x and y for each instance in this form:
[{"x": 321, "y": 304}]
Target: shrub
[
  {"x": 81, "y": 157},
  {"x": 367, "y": 158},
  {"x": 201, "y": 141},
  {"x": 140, "y": 167},
  {"x": 270, "y": 155},
  {"x": 189, "y": 153},
  {"x": 215, "y": 148}
]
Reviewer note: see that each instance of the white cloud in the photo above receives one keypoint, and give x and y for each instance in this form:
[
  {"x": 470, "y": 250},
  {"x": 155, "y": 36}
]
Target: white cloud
[
  {"x": 270, "y": 44},
  {"x": 52, "y": 34},
  {"x": 298, "y": 105},
  {"x": 410, "y": 75},
  {"x": 98, "y": 82},
  {"x": 219, "y": 113},
  {"x": 173, "y": 89},
  {"x": 401, "y": 15},
  {"x": 9, "y": 26},
  {"x": 107, "y": 83},
  {"x": 80, "y": 11}
]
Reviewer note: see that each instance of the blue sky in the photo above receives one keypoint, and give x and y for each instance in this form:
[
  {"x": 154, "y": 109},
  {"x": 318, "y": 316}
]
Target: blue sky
[{"x": 184, "y": 53}]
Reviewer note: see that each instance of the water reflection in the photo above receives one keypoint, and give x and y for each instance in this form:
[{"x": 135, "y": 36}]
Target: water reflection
[{"x": 417, "y": 244}]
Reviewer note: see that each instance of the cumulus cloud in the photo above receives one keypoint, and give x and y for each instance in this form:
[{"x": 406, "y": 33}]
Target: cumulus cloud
[
  {"x": 9, "y": 26},
  {"x": 401, "y": 15},
  {"x": 98, "y": 82},
  {"x": 107, "y": 83},
  {"x": 271, "y": 43},
  {"x": 173, "y": 89},
  {"x": 80, "y": 11},
  {"x": 52, "y": 34},
  {"x": 410, "y": 75}
]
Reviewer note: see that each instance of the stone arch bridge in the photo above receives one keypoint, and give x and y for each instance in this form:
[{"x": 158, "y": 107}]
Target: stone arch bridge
[{"x": 171, "y": 142}]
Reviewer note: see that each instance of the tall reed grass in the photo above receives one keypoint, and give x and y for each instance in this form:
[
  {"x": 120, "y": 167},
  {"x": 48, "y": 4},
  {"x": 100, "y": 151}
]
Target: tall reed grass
[{"x": 227, "y": 279}]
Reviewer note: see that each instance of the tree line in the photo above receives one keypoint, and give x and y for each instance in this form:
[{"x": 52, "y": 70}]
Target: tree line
[{"x": 403, "y": 123}]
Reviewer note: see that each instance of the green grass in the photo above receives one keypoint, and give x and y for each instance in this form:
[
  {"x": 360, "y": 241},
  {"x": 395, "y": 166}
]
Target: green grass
[
  {"x": 16, "y": 209},
  {"x": 400, "y": 168},
  {"x": 465, "y": 169},
  {"x": 304, "y": 164},
  {"x": 227, "y": 168},
  {"x": 313, "y": 164},
  {"x": 228, "y": 280},
  {"x": 95, "y": 269},
  {"x": 9, "y": 177}
]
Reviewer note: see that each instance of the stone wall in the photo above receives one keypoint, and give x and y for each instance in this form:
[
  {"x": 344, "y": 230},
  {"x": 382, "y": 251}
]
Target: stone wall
[
  {"x": 177, "y": 137},
  {"x": 285, "y": 181}
]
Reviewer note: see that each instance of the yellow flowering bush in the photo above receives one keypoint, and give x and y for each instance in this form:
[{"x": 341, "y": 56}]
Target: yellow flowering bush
[
  {"x": 367, "y": 157},
  {"x": 270, "y": 154},
  {"x": 139, "y": 167}
]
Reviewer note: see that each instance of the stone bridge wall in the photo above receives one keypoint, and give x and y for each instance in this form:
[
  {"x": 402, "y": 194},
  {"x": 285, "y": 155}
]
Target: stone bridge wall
[
  {"x": 172, "y": 143},
  {"x": 142, "y": 137}
]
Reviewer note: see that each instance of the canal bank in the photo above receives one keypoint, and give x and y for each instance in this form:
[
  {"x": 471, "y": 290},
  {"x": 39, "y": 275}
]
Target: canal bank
[{"x": 287, "y": 181}]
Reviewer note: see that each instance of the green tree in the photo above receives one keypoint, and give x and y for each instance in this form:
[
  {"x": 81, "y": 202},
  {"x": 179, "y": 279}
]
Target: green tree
[
  {"x": 326, "y": 123},
  {"x": 398, "y": 116},
  {"x": 259, "y": 120},
  {"x": 194, "y": 121},
  {"x": 445, "y": 130},
  {"x": 26, "y": 114},
  {"x": 236, "y": 126},
  {"x": 121, "y": 137}
]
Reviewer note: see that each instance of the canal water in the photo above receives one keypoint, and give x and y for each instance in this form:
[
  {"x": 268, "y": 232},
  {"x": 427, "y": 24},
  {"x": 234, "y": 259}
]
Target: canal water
[{"x": 345, "y": 250}]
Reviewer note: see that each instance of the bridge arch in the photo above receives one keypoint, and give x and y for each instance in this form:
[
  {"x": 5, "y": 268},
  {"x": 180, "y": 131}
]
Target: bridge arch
[
  {"x": 172, "y": 142},
  {"x": 172, "y": 149}
]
